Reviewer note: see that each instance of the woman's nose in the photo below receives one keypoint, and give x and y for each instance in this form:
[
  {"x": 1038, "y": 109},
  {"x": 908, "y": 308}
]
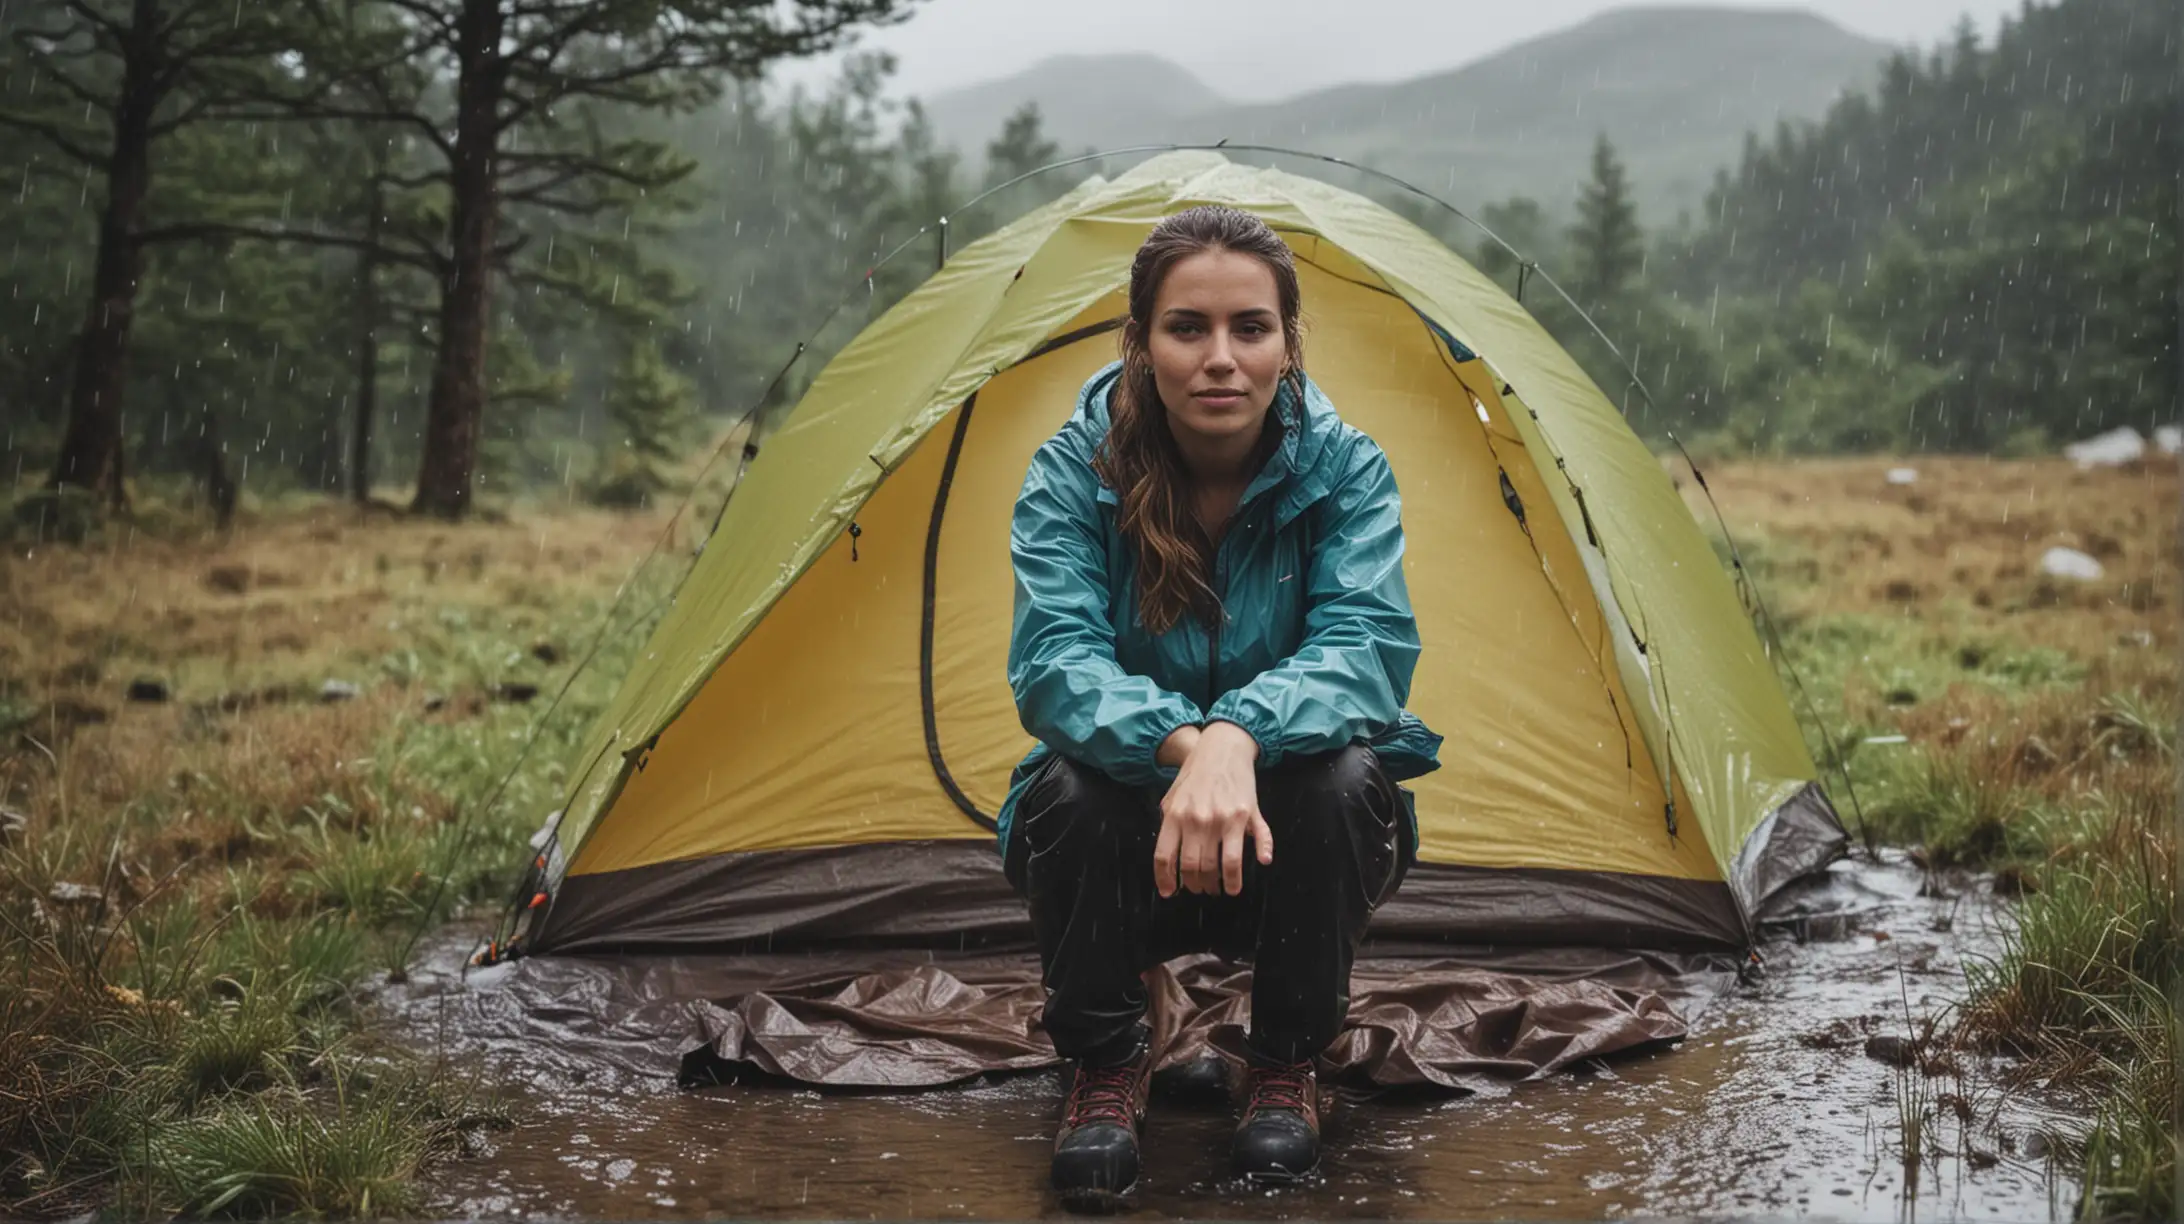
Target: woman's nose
[{"x": 1218, "y": 358}]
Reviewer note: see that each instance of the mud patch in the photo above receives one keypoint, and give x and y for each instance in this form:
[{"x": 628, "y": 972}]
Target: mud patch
[{"x": 1772, "y": 1107}]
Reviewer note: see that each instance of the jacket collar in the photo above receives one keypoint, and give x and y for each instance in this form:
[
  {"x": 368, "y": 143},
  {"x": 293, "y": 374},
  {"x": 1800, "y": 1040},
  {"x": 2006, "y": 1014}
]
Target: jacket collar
[{"x": 1292, "y": 474}]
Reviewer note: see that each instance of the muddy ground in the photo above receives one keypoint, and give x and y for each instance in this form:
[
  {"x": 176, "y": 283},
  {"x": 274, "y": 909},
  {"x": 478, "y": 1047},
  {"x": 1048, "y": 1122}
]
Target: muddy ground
[{"x": 1781, "y": 1102}]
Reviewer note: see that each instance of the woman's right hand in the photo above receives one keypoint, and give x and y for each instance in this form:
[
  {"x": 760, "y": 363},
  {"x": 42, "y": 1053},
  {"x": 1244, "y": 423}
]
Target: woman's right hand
[{"x": 1209, "y": 811}]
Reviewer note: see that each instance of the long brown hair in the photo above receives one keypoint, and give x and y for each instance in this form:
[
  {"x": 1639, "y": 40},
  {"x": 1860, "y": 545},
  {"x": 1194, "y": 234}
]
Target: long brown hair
[{"x": 1139, "y": 459}]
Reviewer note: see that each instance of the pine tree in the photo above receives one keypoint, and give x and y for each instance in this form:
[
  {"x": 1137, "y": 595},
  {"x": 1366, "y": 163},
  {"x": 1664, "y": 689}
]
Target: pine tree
[
  {"x": 1019, "y": 148},
  {"x": 1606, "y": 249},
  {"x": 930, "y": 187},
  {"x": 650, "y": 404},
  {"x": 123, "y": 79},
  {"x": 521, "y": 125}
]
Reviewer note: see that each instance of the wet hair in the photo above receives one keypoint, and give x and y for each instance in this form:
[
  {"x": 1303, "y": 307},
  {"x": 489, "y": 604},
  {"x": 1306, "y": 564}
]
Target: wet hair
[{"x": 1139, "y": 458}]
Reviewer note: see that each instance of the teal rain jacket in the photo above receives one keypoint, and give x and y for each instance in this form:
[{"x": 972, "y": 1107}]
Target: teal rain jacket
[{"x": 1318, "y": 642}]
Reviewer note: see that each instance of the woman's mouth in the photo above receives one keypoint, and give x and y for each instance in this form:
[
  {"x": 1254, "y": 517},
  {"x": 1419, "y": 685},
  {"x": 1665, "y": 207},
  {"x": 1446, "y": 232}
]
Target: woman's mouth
[{"x": 1219, "y": 397}]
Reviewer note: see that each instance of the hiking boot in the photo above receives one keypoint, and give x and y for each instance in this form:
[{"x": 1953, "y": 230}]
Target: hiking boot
[
  {"x": 1096, "y": 1150},
  {"x": 1278, "y": 1140}
]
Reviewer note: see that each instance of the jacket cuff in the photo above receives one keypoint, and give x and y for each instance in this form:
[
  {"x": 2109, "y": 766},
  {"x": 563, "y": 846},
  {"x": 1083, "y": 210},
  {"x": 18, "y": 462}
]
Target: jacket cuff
[
  {"x": 1230, "y": 709},
  {"x": 1182, "y": 713}
]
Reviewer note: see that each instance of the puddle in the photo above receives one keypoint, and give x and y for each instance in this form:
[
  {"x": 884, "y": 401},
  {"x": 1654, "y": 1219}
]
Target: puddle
[{"x": 1771, "y": 1108}]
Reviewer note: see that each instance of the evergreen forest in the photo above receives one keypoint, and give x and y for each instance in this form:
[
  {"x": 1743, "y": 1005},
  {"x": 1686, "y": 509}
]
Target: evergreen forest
[{"x": 341, "y": 247}]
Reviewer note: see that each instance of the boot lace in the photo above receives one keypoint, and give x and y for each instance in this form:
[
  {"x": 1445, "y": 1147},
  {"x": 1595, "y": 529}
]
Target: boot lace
[
  {"x": 1104, "y": 1094},
  {"x": 1287, "y": 1088}
]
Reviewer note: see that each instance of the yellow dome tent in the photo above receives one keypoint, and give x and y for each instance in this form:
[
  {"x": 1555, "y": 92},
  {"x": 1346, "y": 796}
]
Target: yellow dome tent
[{"x": 808, "y": 750}]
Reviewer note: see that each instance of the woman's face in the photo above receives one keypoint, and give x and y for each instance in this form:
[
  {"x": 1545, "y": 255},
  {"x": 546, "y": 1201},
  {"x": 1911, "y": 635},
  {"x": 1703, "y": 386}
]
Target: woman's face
[{"x": 1216, "y": 344}]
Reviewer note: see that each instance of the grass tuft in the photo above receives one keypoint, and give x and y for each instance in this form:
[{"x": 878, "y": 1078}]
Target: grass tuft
[
  {"x": 2131, "y": 1149},
  {"x": 280, "y": 1154},
  {"x": 240, "y": 1046}
]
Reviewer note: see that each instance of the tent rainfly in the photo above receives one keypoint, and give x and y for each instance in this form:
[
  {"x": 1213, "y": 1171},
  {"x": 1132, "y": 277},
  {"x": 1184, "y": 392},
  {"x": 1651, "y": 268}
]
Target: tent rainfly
[{"x": 808, "y": 751}]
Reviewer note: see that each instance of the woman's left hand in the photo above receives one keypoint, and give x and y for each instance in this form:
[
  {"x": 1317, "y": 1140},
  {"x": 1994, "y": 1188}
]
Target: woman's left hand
[{"x": 1208, "y": 812}]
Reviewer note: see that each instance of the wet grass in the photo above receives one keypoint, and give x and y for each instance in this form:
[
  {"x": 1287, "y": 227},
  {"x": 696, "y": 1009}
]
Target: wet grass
[
  {"x": 347, "y": 1152},
  {"x": 1999, "y": 722},
  {"x": 197, "y": 893}
]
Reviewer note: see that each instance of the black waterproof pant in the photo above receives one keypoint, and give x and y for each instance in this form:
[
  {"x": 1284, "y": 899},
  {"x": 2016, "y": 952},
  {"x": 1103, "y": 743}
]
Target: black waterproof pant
[{"x": 1080, "y": 850}]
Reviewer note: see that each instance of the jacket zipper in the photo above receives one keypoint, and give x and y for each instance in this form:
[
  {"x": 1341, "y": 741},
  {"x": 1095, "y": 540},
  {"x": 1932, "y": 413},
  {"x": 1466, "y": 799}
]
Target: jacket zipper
[{"x": 1220, "y": 616}]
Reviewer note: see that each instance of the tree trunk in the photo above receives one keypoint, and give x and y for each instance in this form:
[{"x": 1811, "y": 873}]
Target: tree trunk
[
  {"x": 220, "y": 490},
  {"x": 90, "y": 455},
  {"x": 454, "y": 414},
  {"x": 367, "y": 353}
]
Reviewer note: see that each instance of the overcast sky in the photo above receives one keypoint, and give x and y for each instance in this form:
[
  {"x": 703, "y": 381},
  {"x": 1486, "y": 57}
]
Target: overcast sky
[{"x": 1273, "y": 48}]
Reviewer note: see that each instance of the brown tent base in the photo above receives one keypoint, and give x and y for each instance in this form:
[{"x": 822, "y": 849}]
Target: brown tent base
[{"x": 1467, "y": 1020}]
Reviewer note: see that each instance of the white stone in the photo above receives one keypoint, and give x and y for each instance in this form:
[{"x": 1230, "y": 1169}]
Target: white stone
[
  {"x": 2169, "y": 439},
  {"x": 1903, "y": 476},
  {"x": 2120, "y": 445},
  {"x": 2069, "y": 563}
]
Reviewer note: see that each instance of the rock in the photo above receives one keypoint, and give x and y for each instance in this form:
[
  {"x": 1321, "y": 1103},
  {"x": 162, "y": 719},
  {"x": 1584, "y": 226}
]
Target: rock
[
  {"x": 2112, "y": 449},
  {"x": 434, "y": 702},
  {"x": 229, "y": 579},
  {"x": 2036, "y": 1146},
  {"x": 2169, "y": 439},
  {"x": 514, "y": 690},
  {"x": 64, "y": 893},
  {"x": 1980, "y": 1158},
  {"x": 2070, "y": 563},
  {"x": 1903, "y": 475},
  {"x": 147, "y": 690},
  {"x": 13, "y": 825},
  {"x": 1895, "y": 1051},
  {"x": 338, "y": 690},
  {"x": 546, "y": 652}
]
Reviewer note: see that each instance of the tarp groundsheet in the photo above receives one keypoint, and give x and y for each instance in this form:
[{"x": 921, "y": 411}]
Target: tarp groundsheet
[{"x": 1471, "y": 1019}]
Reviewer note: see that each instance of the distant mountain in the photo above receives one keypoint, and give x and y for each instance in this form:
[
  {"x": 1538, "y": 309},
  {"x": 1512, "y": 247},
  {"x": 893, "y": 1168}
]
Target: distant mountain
[
  {"x": 1676, "y": 89},
  {"x": 1103, "y": 101}
]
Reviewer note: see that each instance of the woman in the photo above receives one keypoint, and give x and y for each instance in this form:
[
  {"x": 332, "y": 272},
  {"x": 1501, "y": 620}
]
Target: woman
[{"x": 1213, "y": 644}]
